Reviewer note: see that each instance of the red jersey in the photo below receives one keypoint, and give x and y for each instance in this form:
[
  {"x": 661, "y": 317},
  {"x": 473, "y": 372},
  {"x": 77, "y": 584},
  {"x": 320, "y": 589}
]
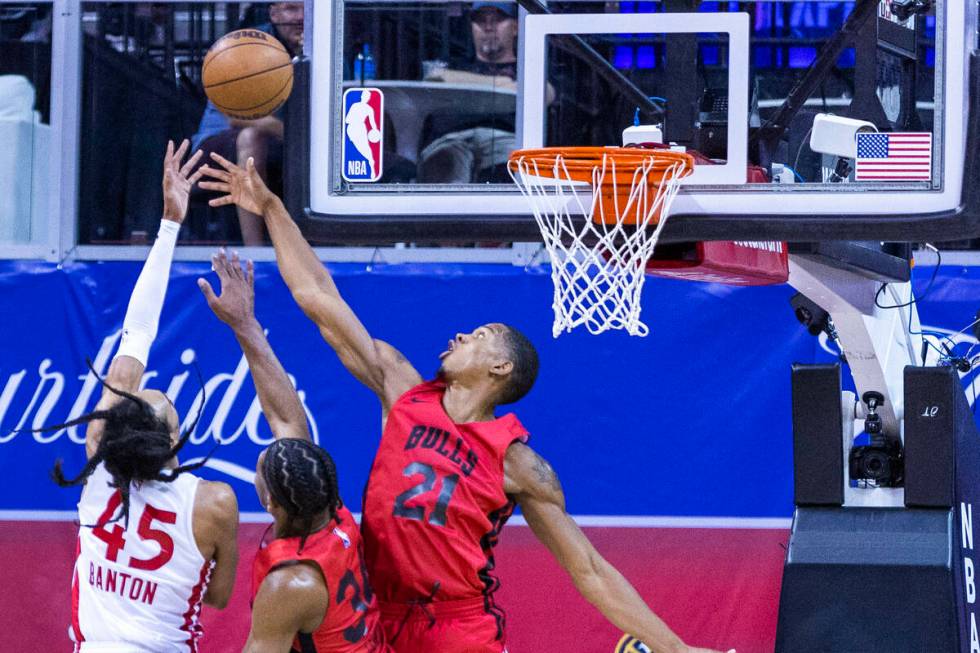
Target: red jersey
[
  {"x": 434, "y": 503},
  {"x": 351, "y": 622}
]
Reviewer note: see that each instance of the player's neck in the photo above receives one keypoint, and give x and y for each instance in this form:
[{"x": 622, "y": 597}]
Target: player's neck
[
  {"x": 293, "y": 528},
  {"x": 468, "y": 404}
]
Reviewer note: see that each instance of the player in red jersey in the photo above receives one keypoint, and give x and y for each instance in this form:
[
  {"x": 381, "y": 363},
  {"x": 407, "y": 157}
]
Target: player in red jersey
[
  {"x": 448, "y": 473},
  {"x": 154, "y": 542},
  {"x": 309, "y": 588}
]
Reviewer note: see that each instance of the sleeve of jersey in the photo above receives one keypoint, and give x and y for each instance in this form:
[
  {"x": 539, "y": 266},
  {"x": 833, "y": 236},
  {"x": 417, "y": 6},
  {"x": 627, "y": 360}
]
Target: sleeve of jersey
[
  {"x": 143, "y": 313},
  {"x": 512, "y": 430}
]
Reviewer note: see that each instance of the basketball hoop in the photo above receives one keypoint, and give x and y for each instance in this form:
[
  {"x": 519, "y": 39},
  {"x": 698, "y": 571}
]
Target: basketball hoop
[{"x": 598, "y": 265}]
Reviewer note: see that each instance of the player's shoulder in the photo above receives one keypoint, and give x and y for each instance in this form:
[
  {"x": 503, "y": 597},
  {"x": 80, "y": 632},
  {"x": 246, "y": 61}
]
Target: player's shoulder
[
  {"x": 521, "y": 454},
  {"x": 216, "y": 500},
  {"x": 294, "y": 595},
  {"x": 298, "y": 582},
  {"x": 527, "y": 472}
]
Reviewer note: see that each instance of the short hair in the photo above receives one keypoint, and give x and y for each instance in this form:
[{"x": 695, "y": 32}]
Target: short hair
[
  {"x": 525, "y": 359},
  {"x": 302, "y": 478},
  {"x": 135, "y": 446}
]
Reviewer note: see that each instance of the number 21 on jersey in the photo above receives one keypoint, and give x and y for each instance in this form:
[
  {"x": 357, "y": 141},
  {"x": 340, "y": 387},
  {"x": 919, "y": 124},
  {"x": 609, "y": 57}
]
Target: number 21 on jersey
[{"x": 437, "y": 512}]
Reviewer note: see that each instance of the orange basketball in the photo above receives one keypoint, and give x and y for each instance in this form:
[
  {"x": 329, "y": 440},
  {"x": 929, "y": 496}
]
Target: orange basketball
[{"x": 247, "y": 74}]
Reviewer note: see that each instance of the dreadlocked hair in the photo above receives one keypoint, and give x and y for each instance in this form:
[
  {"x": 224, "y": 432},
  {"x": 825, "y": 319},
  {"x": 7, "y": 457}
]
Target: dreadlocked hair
[
  {"x": 302, "y": 478},
  {"x": 135, "y": 446}
]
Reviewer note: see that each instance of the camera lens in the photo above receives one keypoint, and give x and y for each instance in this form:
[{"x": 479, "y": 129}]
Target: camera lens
[
  {"x": 882, "y": 465},
  {"x": 876, "y": 466}
]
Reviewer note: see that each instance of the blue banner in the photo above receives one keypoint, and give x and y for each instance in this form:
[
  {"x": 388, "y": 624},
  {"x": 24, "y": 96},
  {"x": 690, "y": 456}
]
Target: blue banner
[{"x": 693, "y": 420}]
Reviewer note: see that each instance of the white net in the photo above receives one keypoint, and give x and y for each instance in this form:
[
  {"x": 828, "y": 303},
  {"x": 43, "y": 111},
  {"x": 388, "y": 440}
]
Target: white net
[{"x": 598, "y": 265}]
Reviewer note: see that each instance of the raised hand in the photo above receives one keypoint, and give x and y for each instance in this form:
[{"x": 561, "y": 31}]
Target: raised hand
[
  {"x": 236, "y": 304},
  {"x": 242, "y": 186},
  {"x": 176, "y": 182}
]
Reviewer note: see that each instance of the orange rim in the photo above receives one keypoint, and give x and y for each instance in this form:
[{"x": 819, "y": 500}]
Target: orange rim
[{"x": 580, "y": 162}]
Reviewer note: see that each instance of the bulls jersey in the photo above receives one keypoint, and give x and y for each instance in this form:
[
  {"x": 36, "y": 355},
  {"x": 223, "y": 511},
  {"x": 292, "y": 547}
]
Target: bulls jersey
[
  {"x": 351, "y": 622},
  {"x": 435, "y": 503},
  {"x": 137, "y": 587}
]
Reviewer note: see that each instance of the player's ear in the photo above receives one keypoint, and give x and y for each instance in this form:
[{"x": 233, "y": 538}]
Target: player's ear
[
  {"x": 502, "y": 368},
  {"x": 271, "y": 505}
]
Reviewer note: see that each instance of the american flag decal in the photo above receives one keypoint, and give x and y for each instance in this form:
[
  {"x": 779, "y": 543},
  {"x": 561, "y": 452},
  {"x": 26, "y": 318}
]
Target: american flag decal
[{"x": 894, "y": 157}]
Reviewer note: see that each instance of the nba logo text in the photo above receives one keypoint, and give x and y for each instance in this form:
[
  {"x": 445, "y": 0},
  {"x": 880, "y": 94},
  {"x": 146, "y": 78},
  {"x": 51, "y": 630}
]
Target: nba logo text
[{"x": 363, "y": 134}]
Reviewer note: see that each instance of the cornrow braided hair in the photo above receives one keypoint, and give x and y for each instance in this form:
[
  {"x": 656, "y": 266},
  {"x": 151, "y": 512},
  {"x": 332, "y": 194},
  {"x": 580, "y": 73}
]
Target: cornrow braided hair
[
  {"x": 302, "y": 478},
  {"x": 135, "y": 446}
]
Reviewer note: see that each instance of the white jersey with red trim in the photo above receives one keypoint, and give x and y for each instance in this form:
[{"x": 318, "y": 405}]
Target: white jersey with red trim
[{"x": 137, "y": 587}]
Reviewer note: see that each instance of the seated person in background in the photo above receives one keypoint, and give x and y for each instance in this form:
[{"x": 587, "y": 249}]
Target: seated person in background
[
  {"x": 494, "y": 31},
  {"x": 474, "y": 147},
  {"x": 478, "y": 147},
  {"x": 260, "y": 139}
]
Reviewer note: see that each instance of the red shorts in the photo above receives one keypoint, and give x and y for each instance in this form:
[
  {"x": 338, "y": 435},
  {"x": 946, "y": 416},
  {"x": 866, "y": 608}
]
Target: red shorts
[{"x": 443, "y": 627}]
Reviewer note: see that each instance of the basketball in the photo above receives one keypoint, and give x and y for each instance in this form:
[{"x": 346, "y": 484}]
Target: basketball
[
  {"x": 247, "y": 74},
  {"x": 374, "y": 135}
]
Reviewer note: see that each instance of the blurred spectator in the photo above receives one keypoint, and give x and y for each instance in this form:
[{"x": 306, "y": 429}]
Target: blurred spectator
[
  {"x": 474, "y": 147},
  {"x": 478, "y": 146},
  {"x": 493, "y": 27},
  {"x": 261, "y": 139}
]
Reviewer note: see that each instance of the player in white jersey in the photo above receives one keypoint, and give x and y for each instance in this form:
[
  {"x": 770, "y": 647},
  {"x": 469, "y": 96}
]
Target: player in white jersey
[{"x": 154, "y": 542}]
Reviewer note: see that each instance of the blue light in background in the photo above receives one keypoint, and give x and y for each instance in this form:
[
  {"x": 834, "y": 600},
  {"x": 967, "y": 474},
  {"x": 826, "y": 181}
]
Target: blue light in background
[
  {"x": 646, "y": 57},
  {"x": 623, "y": 56},
  {"x": 802, "y": 19},
  {"x": 801, "y": 56},
  {"x": 762, "y": 56},
  {"x": 637, "y": 7},
  {"x": 712, "y": 5},
  {"x": 710, "y": 55}
]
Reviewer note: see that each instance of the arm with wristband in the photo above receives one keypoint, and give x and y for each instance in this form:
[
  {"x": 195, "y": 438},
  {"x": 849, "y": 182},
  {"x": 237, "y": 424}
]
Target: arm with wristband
[{"x": 143, "y": 313}]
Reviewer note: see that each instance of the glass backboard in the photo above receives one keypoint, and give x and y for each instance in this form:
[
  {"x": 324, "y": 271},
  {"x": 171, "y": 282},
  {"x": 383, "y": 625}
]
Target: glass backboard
[{"x": 814, "y": 120}]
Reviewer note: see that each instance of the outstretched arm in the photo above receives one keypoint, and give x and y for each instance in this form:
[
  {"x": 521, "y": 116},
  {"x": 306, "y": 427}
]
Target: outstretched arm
[
  {"x": 143, "y": 313},
  {"x": 532, "y": 482},
  {"x": 374, "y": 363},
  {"x": 236, "y": 308}
]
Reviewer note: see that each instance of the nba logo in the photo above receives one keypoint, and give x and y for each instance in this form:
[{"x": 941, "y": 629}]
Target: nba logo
[{"x": 363, "y": 134}]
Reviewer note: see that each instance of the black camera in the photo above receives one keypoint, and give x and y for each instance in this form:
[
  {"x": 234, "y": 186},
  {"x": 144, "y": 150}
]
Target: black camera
[{"x": 881, "y": 464}]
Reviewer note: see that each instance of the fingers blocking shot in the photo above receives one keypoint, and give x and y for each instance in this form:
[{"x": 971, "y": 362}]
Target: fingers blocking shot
[{"x": 235, "y": 305}]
